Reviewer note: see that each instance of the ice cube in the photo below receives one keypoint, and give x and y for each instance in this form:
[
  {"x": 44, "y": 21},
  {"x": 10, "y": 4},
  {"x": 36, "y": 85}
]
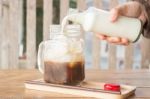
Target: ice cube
[{"x": 56, "y": 50}]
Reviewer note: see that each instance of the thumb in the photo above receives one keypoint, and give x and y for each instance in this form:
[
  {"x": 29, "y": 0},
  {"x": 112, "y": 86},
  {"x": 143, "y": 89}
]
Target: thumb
[
  {"x": 114, "y": 14},
  {"x": 117, "y": 11}
]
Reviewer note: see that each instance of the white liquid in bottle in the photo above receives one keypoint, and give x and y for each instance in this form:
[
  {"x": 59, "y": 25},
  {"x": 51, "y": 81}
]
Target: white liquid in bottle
[{"x": 97, "y": 21}]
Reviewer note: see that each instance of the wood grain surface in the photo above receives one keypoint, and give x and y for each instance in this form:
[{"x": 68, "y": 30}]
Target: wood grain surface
[{"x": 12, "y": 83}]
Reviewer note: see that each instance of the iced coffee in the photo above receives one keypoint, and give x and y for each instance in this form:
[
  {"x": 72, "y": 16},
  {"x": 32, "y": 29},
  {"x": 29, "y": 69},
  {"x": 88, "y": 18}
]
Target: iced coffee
[
  {"x": 61, "y": 58},
  {"x": 70, "y": 73}
]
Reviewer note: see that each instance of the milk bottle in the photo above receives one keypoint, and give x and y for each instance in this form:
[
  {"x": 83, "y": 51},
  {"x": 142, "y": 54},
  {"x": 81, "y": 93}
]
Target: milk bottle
[{"x": 98, "y": 21}]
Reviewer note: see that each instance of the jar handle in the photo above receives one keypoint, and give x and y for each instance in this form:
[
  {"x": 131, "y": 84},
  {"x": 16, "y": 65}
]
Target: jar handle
[{"x": 40, "y": 58}]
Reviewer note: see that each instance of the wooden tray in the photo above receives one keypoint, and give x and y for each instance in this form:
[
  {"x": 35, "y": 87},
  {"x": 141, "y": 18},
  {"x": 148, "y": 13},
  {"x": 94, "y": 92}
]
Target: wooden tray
[{"x": 86, "y": 89}]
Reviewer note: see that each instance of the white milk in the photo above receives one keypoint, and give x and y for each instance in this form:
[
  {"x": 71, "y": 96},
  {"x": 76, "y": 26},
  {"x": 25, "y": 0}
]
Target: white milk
[
  {"x": 98, "y": 21},
  {"x": 61, "y": 48}
]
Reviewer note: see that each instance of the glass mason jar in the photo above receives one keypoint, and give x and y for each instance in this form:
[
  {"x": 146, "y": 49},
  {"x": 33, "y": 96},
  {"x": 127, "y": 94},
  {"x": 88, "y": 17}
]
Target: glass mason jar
[{"x": 61, "y": 58}]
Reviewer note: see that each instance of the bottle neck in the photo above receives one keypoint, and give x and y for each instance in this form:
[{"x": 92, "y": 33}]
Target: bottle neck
[{"x": 77, "y": 18}]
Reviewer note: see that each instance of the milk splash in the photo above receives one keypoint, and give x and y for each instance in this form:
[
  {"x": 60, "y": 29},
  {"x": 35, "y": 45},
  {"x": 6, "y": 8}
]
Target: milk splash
[{"x": 64, "y": 50}]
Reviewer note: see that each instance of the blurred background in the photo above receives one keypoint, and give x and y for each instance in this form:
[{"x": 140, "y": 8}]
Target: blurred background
[{"x": 137, "y": 58}]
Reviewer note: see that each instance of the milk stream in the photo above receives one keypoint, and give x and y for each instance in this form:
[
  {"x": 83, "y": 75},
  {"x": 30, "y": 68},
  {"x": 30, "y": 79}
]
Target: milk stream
[
  {"x": 64, "y": 22},
  {"x": 63, "y": 48}
]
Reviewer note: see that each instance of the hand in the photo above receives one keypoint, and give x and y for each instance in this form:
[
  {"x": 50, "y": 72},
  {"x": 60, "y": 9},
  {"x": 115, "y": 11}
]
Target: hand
[{"x": 129, "y": 9}]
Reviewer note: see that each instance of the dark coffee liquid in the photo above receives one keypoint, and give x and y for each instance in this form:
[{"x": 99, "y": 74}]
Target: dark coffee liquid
[{"x": 64, "y": 72}]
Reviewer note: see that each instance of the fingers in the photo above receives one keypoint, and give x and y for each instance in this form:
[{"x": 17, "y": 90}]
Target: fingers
[
  {"x": 118, "y": 41},
  {"x": 114, "y": 14},
  {"x": 113, "y": 40},
  {"x": 129, "y": 9},
  {"x": 124, "y": 9},
  {"x": 124, "y": 41},
  {"x": 117, "y": 11},
  {"x": 102, "y": 37}
]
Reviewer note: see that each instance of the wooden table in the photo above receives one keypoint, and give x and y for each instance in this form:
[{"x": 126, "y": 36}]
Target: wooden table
[{"x": 12, "y": 83}]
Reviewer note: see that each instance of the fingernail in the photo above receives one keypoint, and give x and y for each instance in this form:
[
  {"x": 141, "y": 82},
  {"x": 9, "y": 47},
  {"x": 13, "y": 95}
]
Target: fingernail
[
  {"x": 112, "y": 15},
  {"x": 126, "y": 44}
]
